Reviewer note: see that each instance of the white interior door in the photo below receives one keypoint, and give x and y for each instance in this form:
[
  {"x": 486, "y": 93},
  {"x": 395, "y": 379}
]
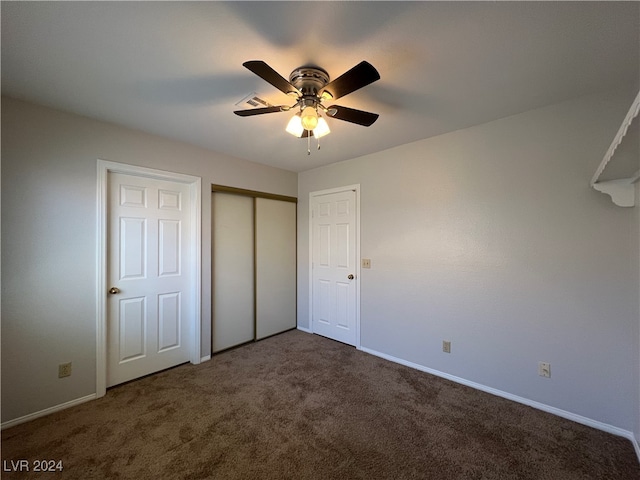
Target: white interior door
[
  {"x": 233, "y": 271},
  {"x": 334, "y": 265},
  {"x": 275, "y": 266},
  {"x": 149, "y": 275}
]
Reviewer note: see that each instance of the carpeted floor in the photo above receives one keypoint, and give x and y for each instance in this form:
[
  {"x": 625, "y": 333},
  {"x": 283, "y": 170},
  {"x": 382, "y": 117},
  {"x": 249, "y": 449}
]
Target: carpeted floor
[{"x": 299, "y": 406}]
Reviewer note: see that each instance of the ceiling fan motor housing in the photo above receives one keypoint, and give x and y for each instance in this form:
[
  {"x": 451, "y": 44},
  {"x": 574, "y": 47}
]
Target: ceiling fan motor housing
[{"x": 309, "y": 80}]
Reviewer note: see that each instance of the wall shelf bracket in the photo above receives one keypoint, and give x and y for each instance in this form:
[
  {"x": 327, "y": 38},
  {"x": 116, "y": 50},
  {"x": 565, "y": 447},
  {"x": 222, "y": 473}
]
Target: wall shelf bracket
[{"x": 622, "y": 190}]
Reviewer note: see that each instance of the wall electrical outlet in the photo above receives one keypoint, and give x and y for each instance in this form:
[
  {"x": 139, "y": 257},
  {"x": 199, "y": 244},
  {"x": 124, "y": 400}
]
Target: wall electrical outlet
[
  {"x": 366, "y": 263},
  {"x": 64, "y": 370},
  {"x": 544, "y": 369},
  {"x": 446, "y": 346}
]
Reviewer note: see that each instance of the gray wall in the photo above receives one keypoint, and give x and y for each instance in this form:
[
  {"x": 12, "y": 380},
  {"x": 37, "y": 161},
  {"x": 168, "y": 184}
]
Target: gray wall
[
  {"x": 49, "y": 241},
  {"x": 490, "y": 237}
]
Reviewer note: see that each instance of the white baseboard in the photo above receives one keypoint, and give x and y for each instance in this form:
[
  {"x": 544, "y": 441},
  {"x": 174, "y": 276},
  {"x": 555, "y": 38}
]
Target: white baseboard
[
  {"x": 303, "y": 329},
  {"x": 525, "y": 401},
  {"x": 636, "y": 444},
  {"x": 47, "y": 411},
  {"x": 206, "y": 358}
]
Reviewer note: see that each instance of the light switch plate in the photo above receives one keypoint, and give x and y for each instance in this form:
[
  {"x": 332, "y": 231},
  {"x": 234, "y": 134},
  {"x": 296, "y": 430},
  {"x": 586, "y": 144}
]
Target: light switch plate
[{"x": 366, "y": 263}]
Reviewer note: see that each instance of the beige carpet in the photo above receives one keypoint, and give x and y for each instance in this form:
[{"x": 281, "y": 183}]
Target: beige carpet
[{"x": 299, "y": 406}]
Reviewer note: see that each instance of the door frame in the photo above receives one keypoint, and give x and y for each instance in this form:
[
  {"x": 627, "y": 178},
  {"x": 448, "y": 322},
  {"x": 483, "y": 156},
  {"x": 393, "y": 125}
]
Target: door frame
[
  {"x": 318, "y": 193},
  {"x": 105, "y": 167}
]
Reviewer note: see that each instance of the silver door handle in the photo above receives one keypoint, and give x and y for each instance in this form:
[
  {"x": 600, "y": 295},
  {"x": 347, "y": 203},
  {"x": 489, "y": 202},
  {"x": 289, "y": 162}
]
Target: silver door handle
[
  {"x": 351, "y": 277},
  {"x": 114, "y": 290}
]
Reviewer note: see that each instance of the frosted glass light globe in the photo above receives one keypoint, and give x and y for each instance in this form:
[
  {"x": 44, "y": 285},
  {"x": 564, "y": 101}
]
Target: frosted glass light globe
[{"x": 309, "y": 118}]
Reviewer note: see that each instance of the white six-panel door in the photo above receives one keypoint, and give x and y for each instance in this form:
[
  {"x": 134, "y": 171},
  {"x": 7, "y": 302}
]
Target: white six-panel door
[
  {"x": 148, "y": 276},
  {"x": 334, "y": 267}
]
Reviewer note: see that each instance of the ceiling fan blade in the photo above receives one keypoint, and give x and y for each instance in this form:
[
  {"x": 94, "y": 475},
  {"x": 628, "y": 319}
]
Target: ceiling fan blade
[
  {"x": 352, "y": 115},
  {"x": 268, "y": 74},
  {"x": 359, "y": 76},
  {"x": 259, "y": 111}
]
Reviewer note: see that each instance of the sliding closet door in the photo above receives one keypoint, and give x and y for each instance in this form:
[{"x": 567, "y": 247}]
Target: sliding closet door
[
  {"x": 275, "y": 266},
  {"x": 233, "y": 272}
]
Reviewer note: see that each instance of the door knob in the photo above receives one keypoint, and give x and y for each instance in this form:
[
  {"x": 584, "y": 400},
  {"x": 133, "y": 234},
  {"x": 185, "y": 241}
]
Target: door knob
[
  {"x": 114, "y": 290},
  {"x": 350, "y": 277}
]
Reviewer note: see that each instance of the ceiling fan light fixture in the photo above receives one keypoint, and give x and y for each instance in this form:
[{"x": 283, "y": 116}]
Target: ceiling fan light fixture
[
  {"x": 326, "y": 96},
  {"x": 309, "y": 118},
  {"x": 322, "y": 128},
  {"x": 294, "y": 127}
]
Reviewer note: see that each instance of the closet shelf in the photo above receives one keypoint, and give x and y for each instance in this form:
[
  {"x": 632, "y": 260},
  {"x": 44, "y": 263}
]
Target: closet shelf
[{"x": 621, "y": 190}]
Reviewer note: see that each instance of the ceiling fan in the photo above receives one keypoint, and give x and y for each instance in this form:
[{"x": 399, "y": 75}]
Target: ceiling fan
[{"x": 310, "y": 86}]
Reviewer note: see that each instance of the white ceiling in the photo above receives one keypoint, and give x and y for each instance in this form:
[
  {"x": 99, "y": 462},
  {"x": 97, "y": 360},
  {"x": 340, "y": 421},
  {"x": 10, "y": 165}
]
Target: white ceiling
[{"x": 175, "y": 68}]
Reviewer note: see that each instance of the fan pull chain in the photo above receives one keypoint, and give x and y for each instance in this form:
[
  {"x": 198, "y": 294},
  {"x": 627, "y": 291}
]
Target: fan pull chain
[
  {"x": 308, "y": 144},
  {"x": 318, "y": 143}
]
